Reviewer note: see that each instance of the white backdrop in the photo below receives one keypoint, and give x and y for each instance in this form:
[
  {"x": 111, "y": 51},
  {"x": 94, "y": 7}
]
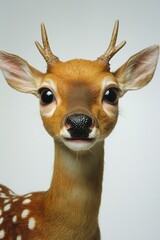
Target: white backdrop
[{"x": 130, "y": 206}]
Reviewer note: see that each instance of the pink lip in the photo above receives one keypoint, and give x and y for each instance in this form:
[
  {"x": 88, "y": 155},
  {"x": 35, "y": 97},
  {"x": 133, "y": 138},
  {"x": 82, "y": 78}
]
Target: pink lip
[{"x": 79, "y": 140}]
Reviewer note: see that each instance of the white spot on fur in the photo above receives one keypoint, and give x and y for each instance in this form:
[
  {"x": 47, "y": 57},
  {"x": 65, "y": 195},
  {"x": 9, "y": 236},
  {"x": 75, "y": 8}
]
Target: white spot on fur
[
  {"x": 25, "y": 213},
  {"x": 19, "y": 237},
  {"x": 15, "y": 199},
  {"x": 1, "y": 220},
  {"x": 7, "y": 207},
  {"x": 6, "y": 201},
  {"x": 28, "y": 195},
  {"x": 3, "y": 195},
  {"x": 31, "y": 223},
  {"x": 14, "y": 219},
  {"x": 2, "y": 234},
  {"x": 26, "y": 201},
  {"x": 0, "y": 212},
  {"x": 0, "y": 189},
  {"x": 11, "y": 193}
]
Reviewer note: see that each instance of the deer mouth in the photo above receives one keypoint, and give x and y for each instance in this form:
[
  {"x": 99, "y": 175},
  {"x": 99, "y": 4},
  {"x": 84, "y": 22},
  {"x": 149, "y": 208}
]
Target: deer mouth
[
  {"x": 79, "y": 145},
  {"x": 79, "y": 140}
]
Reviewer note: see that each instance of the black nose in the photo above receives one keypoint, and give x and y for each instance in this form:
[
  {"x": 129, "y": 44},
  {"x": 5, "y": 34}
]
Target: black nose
[{"x": 79, "y": 125}]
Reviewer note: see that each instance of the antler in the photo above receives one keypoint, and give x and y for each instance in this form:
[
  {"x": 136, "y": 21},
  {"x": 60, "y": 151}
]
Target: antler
[
  {"x": 112, "y": 49},
  {"x": 46, "y": 52}
]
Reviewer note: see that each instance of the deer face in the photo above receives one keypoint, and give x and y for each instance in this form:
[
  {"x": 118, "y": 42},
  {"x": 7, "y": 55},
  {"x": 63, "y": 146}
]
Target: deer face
[
  {"x": 79, "y": 103},
  {"x": 79, "y": 98}
]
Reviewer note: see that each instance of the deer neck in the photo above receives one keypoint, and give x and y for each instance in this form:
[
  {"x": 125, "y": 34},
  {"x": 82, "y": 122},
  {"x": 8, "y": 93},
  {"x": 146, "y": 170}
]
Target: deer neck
[{"x": 77, "y": 183}]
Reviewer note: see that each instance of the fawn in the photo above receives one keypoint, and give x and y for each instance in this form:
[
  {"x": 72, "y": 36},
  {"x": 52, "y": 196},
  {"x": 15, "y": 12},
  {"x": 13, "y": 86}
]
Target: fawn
[{"x": 79, "y": 109}]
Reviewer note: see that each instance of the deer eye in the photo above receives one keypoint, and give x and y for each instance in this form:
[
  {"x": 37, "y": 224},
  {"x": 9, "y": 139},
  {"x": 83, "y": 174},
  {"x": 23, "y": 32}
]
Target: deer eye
[
  {"x": 111, "y": 96},
  {"x": 46, "y": 96}
]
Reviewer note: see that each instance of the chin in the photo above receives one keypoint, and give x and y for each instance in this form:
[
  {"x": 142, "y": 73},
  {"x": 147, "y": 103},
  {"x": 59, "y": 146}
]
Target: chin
[{"x": 79, "y": 145}]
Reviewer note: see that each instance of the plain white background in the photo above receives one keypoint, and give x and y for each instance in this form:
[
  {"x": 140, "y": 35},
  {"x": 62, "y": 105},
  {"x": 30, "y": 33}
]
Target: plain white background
[{"x": 130, "y": 206}]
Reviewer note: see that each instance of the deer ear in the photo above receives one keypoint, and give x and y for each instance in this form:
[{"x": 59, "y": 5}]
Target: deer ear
[
  {"x": 19, "y": 74},
  {"x": 138, "y": 70}
]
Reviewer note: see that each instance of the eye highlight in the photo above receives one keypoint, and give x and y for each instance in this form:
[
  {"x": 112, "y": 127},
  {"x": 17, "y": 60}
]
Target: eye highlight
[
  {"x": 111, "y": 96},
  {"x": 46, "y": 96}
]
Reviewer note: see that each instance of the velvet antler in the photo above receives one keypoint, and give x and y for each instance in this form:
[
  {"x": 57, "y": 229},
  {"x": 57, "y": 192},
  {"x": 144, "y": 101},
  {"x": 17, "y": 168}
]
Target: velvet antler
[
  {"x": 46, "y": 52},
  {"x": 112, "y": 49}
]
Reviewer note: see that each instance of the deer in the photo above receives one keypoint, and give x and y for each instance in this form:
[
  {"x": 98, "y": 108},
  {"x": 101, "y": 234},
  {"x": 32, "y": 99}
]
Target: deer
[{"x": 79, "y": 102}]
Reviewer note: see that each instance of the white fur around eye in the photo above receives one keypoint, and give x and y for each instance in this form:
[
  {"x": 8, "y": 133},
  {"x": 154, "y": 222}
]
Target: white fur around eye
[
  {"x": 48, "y": 110},
  {"x": 111, "y": 110},
  {"x": 109, "y": 81},
  {"x": 47, "y": 106}
]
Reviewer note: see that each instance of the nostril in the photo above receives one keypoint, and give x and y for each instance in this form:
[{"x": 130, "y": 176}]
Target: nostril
[
  {"x": 68, "y": 123},
  {"x": 87, "y": 121}
]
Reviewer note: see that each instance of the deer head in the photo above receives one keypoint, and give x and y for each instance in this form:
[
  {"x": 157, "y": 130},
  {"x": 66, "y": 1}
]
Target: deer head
[{"x": 79, "y": 98}]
